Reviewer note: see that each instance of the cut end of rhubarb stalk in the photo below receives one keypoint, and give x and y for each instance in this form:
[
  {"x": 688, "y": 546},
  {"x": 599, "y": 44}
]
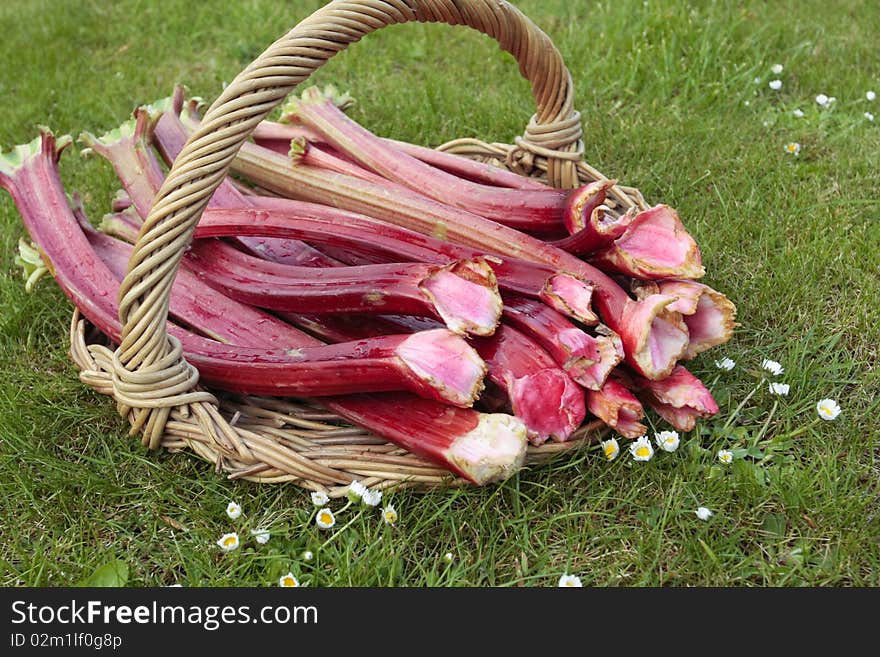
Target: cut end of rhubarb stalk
[
  {"x": 549, "y": 403},
  {"x": 492, "y": 451},
  {"x": 582, "y": 201},
  {"x": 571, "y": 296},
  {"x": 314, "y": 94},
  {"x": 46, "y": 145},
  {"x": 654, "y": 337},
  {"x": 445, "y": 363},
  {"x": 465, "y": 296},
  {"x": 655, "y": 245},
  {"x": 680, "y": 399},
  {"x": 617, "y": 407},
  {"x": 709, "y": 314},
  {"x": 610, "y": 352}
]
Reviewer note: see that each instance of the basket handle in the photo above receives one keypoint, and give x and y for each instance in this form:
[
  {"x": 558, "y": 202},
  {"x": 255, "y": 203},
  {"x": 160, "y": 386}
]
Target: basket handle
[{"x": 145, "y": 350}]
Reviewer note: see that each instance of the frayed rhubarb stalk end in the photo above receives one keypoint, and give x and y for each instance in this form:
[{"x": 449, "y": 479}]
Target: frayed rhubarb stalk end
[
  {"x": 550, "y": 404},
  {"x": 465, "y": 295},
  {"x": 680, "y": 399},
  {"x": 654, "y": 337},
  {"x": 492, "y": 451},
  {"x": 582, "y": 201},
  {"x": 571, "y": 296},
  {"x": 32, "y": 263},
  {"x": 654, "y": 246},
  {"x": 617, "y": 407},
  {"x": 445, "y": 362},
  {"x": 710, "y": 316}
]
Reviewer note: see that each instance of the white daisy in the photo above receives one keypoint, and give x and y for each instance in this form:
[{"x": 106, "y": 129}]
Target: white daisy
[
  {"x": 389, "y": 514},
  {"x": 356, "y": 491},
  {"x": 869, "y": 116},
  {"x": 725, "y": 364},
  {"x": 448, "y": 557},
  {"x": 570, "y": 580},
  {"x": 668, "y": 441},
  {"x": 776, "y": 85},
  {"x": 325, "y": 518},
  {"x": 371, "y": 497},
  {"x": 776, "y": 69},
  {"x": 779, "y": 388},
  {"x": 641, "y": 449},
  {"x": 828, "y": 409},
  {"x": 772, "y": 366},
  {"x": 870, "y": 95},
  {"x": 793, "y": 148},
  {"x": 320, "y": 498},
  {"x": 703, "y": 513},
  {"x": 725, "y": 456},
  {"x": 798, "y": 113},
  {"x": 823, "y": 100},
  {"x": 308, "y": 555},
  {"x": 610, "y": 448},
  {"x": 261, "y": 536},
  {"x": 228, "y": 542},
  {"x": 233, "y": 510},
  {"x": 288, "y": 581}
]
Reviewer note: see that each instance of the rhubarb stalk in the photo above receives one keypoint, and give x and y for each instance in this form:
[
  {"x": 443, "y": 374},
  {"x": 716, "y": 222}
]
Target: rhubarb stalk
[{"x": 533, "y": 211}]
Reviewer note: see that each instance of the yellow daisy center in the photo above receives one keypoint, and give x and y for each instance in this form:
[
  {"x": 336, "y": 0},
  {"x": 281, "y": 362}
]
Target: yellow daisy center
[
  {"x": 326, "y": 518},
  {"x": 609, "y": 451},
  {"x": 289, "y": 581},
  {"x": 791, "y": 148},
  {"x": 643, "y": 451},
  {"x": 229, "y": 541},
  {"x": 390, "y": 516}
]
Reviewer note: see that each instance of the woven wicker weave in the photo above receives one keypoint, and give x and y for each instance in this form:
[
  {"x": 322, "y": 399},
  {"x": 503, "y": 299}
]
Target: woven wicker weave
[{"x": 285, "y": 440}]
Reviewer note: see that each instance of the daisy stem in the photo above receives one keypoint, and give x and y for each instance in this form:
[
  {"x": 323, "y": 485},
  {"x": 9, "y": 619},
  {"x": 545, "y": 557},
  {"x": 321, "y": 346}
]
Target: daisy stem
[
  {"x": 763, "y": 430},
  {"x": 798, "y": 431},
  {"x": 742, "y": 404},
  {"x": 342, "y": 529}
]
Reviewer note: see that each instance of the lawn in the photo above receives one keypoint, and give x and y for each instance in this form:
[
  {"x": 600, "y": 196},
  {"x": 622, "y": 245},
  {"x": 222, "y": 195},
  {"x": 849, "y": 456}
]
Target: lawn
[{"x": 676, "y": 100}]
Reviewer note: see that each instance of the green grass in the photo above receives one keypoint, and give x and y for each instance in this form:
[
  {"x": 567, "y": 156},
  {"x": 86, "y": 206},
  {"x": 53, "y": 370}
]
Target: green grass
[{"x": 670, "y": 105}]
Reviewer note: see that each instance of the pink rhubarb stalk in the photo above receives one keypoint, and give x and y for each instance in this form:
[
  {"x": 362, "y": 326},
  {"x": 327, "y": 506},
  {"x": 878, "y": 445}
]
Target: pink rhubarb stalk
[
  {"x": 277, "y": 137},
  {"x": 386, "y": 242},
  {"x": 463, "y": 294},
  {"x": 709, "y": 314},
  {"x": 533, "y": 211},
  {"x": 542, "y": 395},
  {"x": 600, "y": 230},
  {"x": 680, "y": 399},
  {"x": 655, "y": 245},
  {"x": 617, "y": 407},
  {"x": 587, "y": 359}
]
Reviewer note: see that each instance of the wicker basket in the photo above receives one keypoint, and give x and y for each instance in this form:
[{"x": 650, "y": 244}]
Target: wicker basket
[{"x": 286, "y": 440}]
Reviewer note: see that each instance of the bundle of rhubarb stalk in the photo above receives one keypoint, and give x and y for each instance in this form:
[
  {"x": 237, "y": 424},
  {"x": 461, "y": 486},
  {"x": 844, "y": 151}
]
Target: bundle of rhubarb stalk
[{"x": 332, "y": 305}]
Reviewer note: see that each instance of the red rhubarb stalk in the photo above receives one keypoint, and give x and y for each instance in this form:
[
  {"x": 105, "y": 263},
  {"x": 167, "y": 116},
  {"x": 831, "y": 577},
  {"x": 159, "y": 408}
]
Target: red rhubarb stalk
[
  {"x": 680, "y": 399},
  {"x": 533, "y": 211},
  {"x": 463, "y": 293},
  {"x": 587, "y": 359},
  {"x": 277, "y": 137},
  {"x": 655, "y": 245},
  {"x": 542, "y": 395},
  {"x": 615, "y": 405},
  {"x": 325, "y": 225},
  {"x": 598, "y": 231}
]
